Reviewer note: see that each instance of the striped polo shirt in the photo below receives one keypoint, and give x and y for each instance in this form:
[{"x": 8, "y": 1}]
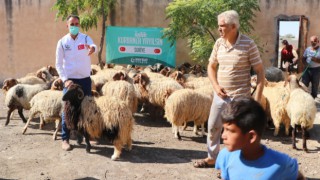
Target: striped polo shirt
[{"x": 235, "y": 63}]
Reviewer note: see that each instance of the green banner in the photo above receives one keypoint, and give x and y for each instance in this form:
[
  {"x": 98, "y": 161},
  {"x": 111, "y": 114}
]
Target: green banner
[{"x": 139, "y": 46}]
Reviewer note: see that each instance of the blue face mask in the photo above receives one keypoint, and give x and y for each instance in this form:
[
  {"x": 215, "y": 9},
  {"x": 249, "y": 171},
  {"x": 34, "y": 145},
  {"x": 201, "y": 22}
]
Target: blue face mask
[{"x": 74, "y": 30}]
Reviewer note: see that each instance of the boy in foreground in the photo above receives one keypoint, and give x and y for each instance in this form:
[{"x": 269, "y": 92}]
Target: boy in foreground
[{"x": 244, "y": 157}]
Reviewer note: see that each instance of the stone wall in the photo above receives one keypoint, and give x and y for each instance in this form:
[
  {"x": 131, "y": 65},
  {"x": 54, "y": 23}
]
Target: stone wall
[{"x": 29, "y": 32}]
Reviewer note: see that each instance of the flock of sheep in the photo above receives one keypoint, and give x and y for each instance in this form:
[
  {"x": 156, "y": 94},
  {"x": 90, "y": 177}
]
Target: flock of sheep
[{"x": 180, "y": 95}]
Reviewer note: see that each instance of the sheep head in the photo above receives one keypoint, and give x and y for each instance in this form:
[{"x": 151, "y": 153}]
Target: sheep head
[
  {"x": 52, "y": 70},
  {"x": 74, "y": 94},
  {"x": 141, "y": 79},
  {"x": 93, "y": 72},
  {"x": 8, "y": 83},
  {"x": 57, "y": 85},
  {"x": 119, "y": 76},
  {"x": 184, "y": 67},
  {"x": 178, "y": 76},
  {"x": 72, "y": 107},
  {"x": 293, "y": 82},
  {"x": 165, "y": 71}
]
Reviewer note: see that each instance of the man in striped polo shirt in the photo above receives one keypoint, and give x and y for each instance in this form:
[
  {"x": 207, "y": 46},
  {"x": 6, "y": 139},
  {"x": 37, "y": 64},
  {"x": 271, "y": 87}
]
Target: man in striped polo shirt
[{"x": 229, "y": 66}]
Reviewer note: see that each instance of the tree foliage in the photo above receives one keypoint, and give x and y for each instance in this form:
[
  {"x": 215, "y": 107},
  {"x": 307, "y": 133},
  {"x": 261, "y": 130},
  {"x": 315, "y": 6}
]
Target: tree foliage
[
  {"x": 89, "y": 11},
  {"x": 197, "y": 21}
]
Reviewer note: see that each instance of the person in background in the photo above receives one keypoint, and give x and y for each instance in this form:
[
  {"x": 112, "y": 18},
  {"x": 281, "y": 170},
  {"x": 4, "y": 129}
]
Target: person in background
[
  {"x": 289, "y": 57},
  {"x": 244, "y": 156},
  {"x": 311, "y": 59},
  {"x": 73, "y": 64},
  {"x": 231, "y": 60}
]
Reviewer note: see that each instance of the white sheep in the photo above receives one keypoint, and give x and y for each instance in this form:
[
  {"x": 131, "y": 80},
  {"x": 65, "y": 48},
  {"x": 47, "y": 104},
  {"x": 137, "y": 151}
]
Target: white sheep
[
  {"x": 42, "y": 76},
  {"x": 278, "y": 95},
  {"x": 186, "y": 105},
  {"x": 155, "y": 92},
  {"x": 99, "y": 117},
  {"x": 19, "y": 96},
  {"x": 197, "y": 82},
  {"x": 48, "y": 103},
  {"x": 122, "y": 90},
  {"x": 301, "y": 109},
  {"x": 107, "y": 75}
]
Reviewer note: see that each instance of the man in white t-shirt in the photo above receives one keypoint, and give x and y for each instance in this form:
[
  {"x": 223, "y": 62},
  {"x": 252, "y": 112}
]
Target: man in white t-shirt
[{"x": 74, "y": 65}]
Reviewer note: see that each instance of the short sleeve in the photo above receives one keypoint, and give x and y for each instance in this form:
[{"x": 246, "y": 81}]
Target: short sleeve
[
  {"x": 291, "y": 169},
  {"x": 221, "y": 163},
  {"x": 214, "y": 53}
]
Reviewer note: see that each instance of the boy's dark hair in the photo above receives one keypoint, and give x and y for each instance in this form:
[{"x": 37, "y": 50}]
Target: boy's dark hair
[
  {"x": 246, "y": 113},
  {"x": 73, "y": 16}
]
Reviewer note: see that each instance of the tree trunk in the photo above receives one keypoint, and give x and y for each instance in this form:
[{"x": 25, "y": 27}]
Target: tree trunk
[{"x": 104, "y": 18}]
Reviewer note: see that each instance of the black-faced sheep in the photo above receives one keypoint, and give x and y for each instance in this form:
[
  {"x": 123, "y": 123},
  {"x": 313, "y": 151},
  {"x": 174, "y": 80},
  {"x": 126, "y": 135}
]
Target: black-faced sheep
[{"x": 99, "y": 117}]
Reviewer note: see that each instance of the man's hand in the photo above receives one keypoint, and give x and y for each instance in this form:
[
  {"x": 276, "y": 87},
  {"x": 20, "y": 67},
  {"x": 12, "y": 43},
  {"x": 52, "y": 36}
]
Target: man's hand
[
  {"x": 221, "y": 92},
  {"x": 91, "y": 50},
  {"x": 68, "y": 83}
]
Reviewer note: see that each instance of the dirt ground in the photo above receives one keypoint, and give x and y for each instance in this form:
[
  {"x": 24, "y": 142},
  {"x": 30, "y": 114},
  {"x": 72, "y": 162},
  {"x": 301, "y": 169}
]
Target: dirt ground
[{"x": 155, "y": 153}]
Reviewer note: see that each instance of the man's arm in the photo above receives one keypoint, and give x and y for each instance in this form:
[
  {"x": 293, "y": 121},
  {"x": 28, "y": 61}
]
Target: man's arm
[
  {"x": 258, "y": 68},
  {"x": 59, "y": 61},
  {"x": 212, "y": 74},
  {"x": 91, "y": 46}
]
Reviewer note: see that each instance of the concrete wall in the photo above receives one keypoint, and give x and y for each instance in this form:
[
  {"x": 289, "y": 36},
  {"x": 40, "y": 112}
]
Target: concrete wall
[
  {"x": 29, "y": 32},
  {"x": 266, "y": 22}
]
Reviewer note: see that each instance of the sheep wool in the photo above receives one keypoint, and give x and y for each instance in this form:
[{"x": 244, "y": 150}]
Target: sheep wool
[
  {"x": 187, "y": 105},
  {"x": 301, "y": 108},
  {"x": 18, "y": 97},
  {"x": 99, "y": 117},
  {"x": 122, "y": 90},
  {"x": 48, "y": 103}
]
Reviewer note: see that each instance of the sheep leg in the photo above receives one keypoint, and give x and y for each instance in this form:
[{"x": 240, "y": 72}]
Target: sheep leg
[
  {"x": 57, "y": 122},
  {"x": 87, "y": 139},
  {"x": 20, "y": 112},
  {"x": 117, "y": 149},
  {"x": 202, "y": 129},
  {"x": 8, "y": 115},
  {"x": 129, "y": 143},
  {"x": 42, "y": 122},
  {"x": 27, "y": 124},
  {"x": 195, "y": 129},
  {"x": 304, "y": 141},
  {"x": 176, "y": 132},
  {"x": 294, "y": 133},
  {"x": 79, "y": 137},
  {"x": 287, "y": 126},
  {"x": 184, "y": 126},
  {"x": 276, "y": 129}
]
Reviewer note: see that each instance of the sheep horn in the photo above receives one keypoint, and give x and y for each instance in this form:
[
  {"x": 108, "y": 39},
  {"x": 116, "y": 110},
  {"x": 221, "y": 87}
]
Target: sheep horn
[{"x": 81, "y": 94}]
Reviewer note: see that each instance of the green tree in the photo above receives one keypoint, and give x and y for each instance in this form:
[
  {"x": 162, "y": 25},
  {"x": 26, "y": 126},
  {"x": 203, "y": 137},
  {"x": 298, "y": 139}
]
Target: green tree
[
  {"x": 90, "y": 12},
  {"x": 197, "y": 21}
]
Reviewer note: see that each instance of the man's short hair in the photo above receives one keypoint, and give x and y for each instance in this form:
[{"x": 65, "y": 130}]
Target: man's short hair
[
  {"x": 230, "y": 17},
  {"x": 73, "y": 16},
  {"x": 246, "y": 113}
]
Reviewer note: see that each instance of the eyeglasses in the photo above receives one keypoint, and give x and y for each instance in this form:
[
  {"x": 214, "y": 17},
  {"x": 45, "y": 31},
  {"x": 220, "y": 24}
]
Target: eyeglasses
[{"x": 74, "y": 24}]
